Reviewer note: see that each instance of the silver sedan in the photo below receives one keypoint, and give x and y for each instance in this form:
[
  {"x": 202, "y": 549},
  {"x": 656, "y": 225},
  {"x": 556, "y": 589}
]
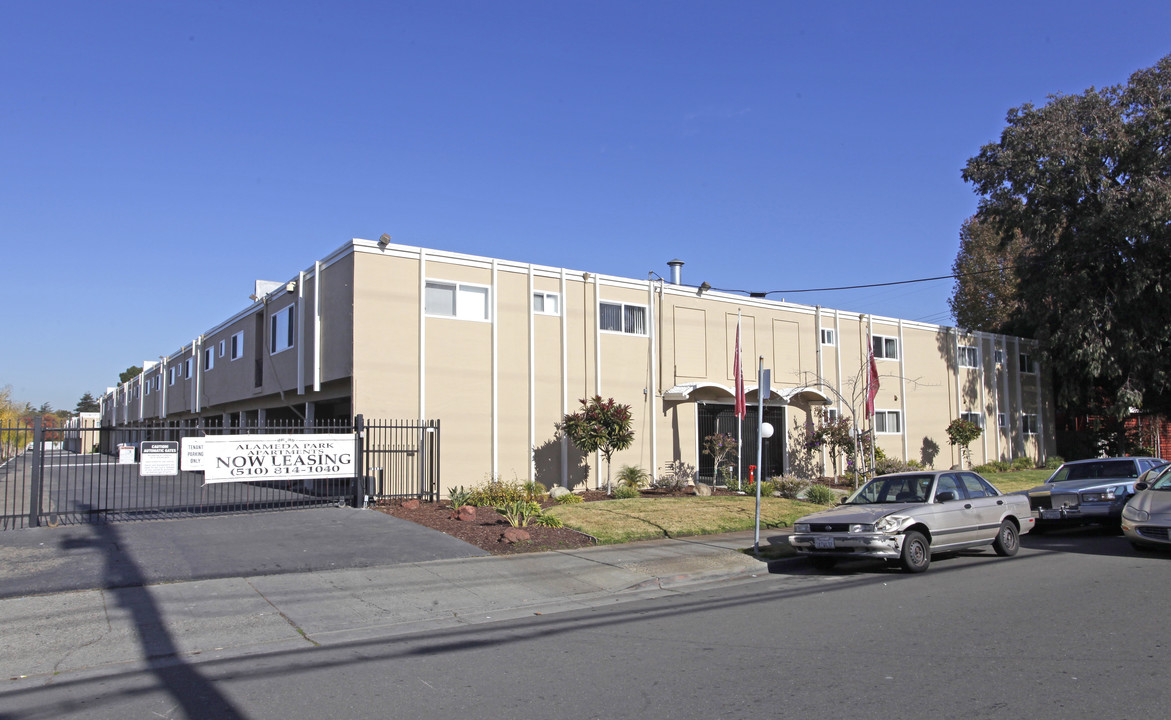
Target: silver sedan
[
  {"x": 906, "y": 517},
  {"x": 1146, "y": 519}
]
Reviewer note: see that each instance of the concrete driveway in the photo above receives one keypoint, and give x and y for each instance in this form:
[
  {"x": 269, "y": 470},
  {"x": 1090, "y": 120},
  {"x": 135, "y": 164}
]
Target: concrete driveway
[{"x": 43, "y": 560}]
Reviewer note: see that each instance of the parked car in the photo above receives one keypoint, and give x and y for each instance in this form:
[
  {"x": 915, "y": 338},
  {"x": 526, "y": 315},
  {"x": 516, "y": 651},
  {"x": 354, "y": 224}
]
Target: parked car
[
  {"x": 1146, "y": 517},
  {"x": 906, "y": 517},
  {"x": 1088, "y": 491}
]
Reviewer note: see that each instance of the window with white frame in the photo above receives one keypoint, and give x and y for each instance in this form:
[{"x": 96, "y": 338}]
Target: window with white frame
[
  {"x": 457, "y": 300},
  {"x": 281, "y": 330},
  {"x": 223, "y": 344},
  {"x": 1027, "y": 365},
  {"x": 187, "y": 368},
  {"x": 831, "y": 414},
  {"x": 828, "y": 336},
  {"x": 159, "y": 381},
  {"x": 998, "y": 355},
  {"x": 1028, "y": 424},
  {"x": 171, "y": 376},
  {"x": 208, "y": 359},
  {"x": 546, "y": 303},
  {"x": 969, "y": 356},
  {"x": 622, "y": 318},
  {"x": 886, "y": 347},
  {"x": 149, "y": 382},
  {"x": 888, "y": 421},
  {"x": 1002, "y": 420},
  {"x": 973, "y": 417},
  {"x": 238, "y": 345}
]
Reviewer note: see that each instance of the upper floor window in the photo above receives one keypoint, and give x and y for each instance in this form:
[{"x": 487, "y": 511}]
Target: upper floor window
[
  {"x": 208, "y": 359},
  {"x": 171, "y": 376},
  {"x": 623, "y": 318},
  {"x": 457, "y": 300},
  {"x": 999, "y": 356},
  {"x": 886, "y": 347},
  {"x": 222, "y": 345},
  {"x": 973, "y": 418},
  {"x": 546, "y": 303},
  {"x": 828, "y": 337},
  {"x": 1028, "y": 424},
  {"x": 1027, "y": 363},
  {"x": 148, "y": 385},
  {"x": 888, "y": 421},
  {"x": 187, "y": 368},
  {"x": 238, "y": 345},
  {"x": 969, "y": 356},
  {"x": 281, "y": 330},
  {"x": 831, "y": 415},
  {"x": 1001, "y": 420}
]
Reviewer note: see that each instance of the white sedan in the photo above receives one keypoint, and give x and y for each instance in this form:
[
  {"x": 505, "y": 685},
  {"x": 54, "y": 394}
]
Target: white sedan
[{"x": 906, "y": 517}]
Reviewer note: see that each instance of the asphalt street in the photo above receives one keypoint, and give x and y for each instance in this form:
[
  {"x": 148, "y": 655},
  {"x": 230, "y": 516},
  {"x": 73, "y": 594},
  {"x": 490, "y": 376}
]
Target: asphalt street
[{"x": 1070, "y": 628}]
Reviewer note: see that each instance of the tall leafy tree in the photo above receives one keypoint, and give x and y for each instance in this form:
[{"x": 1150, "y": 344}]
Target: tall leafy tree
[
  {"x": 600, "y": 425},
  {"x": 130, "y": 372},
  {"x": 987, "y": 286},
  {"x": 1086, "y": 182}
]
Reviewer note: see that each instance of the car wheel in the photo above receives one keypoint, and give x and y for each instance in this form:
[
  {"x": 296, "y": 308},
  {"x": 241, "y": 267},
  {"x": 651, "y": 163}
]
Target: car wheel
[
  {"x": 824, "y": 563},
  {"x": 916, "y": 552},
  {"x": 1006, "y": 543}
]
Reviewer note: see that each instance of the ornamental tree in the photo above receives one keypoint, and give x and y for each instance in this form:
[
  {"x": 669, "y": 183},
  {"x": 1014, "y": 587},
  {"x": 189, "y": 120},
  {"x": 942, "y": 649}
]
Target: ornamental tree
[
  {"x": 962, "y": 432},
  {"x": 722, "y": 447},
  {"x": 600, "y": 426}
]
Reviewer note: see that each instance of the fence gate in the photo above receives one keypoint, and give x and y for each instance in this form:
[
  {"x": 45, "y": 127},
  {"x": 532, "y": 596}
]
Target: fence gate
[{"x": 53, "y": 476}]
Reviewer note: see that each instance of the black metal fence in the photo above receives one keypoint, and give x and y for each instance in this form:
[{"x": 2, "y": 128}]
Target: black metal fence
[{"x": 63, "y": 477}]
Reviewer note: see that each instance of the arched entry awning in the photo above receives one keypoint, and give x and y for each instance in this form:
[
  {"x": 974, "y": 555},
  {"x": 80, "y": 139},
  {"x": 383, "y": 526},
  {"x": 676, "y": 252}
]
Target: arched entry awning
[{"x": 786, "y": 396}]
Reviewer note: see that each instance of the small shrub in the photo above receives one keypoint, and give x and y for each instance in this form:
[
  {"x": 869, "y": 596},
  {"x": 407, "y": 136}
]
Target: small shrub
[
  {"x": 533, "y": 490},
  {"x": 789, "y": 487},
  {"x": 1001, "y": 466},
  {"x": 1054, "y": 462},
  {"x": 458, "y": 496},
  {"x": 625, "y": 492},
  {"x": 497, "y": 493},
  {"x": 676, "y": 475},
  {"x": 820, "y": 494},
  {"x": 551, "y": 521},
  {"x": 631, "y": 476},
  {"x": 520, "y": 512},
  {"x": 985, "y": 469},
  {"x": 887, "y": 465},
  {"x": 568, "y": 499},
  {"x": 1023, "y": 463}
]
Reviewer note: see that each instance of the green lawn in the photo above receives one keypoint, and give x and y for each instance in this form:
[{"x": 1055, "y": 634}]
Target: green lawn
[
  {"x": 620, "y": 521},
  {"x": 1008, "y": 482}
]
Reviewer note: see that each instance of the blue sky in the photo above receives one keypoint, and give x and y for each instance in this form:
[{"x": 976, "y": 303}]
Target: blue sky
[{"x": 159, "y": 156}]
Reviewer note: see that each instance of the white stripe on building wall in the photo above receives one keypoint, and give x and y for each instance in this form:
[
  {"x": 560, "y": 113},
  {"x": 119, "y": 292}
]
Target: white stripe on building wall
[
  {"x": 564, "y": 378},
  {"x": 300, "y": 307},
  {"x": 652, "y": 393},
  {"x": 495, "y": 292},
  {"x": 422, "y": 333},
  {"x": 317, "y": 327},
  {"x": 1018, "y": 422},
  {"x": 903, "y": 391},
  {"x": 533, "y": 378}
]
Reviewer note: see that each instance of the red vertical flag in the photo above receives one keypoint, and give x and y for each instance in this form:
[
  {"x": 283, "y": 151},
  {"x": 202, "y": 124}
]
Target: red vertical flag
[
  {"x": 872, "y": 392},
  {"x": 738, "y": 373}
]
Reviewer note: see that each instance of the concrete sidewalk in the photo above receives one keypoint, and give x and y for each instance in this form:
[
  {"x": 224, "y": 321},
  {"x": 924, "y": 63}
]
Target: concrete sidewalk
[{"x": 134, "y": 626}]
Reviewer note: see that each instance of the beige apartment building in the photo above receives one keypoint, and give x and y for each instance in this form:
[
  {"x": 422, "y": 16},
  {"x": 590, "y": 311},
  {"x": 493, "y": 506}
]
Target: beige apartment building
[{"x": 499, "y": 351}]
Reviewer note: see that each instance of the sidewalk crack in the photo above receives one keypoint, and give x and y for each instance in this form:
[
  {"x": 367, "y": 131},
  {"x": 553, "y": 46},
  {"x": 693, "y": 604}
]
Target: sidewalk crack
[{"x": 295, "y": 626}]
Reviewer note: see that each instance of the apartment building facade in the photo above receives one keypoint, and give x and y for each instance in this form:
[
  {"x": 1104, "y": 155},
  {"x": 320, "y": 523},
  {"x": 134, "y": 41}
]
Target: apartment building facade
[{"x": 499, "y": 351}]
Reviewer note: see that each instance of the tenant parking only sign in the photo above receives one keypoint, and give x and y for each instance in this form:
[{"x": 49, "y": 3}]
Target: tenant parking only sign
[{"x": 233, "y": 458}]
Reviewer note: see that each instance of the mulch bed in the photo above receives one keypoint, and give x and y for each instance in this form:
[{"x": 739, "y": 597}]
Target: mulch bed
[{"x": 487, "y": 532}]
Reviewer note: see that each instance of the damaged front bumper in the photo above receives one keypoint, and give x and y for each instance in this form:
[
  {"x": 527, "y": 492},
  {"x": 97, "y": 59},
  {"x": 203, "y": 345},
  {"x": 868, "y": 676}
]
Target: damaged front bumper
[{"x": 869, "y": 545}]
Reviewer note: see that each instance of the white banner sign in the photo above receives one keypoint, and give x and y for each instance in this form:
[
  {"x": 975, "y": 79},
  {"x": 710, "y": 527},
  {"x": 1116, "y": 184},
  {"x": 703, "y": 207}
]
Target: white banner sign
[{"x": 234, "y": 458}]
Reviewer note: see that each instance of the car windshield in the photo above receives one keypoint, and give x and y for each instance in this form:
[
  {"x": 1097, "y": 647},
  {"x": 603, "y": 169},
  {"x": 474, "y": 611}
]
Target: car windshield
[
  {"x": 1163, "y": 483},
  {"x": 1096, "y": 469},
  {"x": 893, "y": 489}
]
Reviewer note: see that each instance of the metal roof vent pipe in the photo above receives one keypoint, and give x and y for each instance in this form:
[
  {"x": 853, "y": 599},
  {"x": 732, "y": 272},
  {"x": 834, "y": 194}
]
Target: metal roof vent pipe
[{"x": 676, "y": 271}]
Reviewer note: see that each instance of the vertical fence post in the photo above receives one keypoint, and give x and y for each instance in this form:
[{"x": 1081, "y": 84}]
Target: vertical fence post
[
  {"x": 36, "y": 502},
  {"x": 359, "y": 460}
]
